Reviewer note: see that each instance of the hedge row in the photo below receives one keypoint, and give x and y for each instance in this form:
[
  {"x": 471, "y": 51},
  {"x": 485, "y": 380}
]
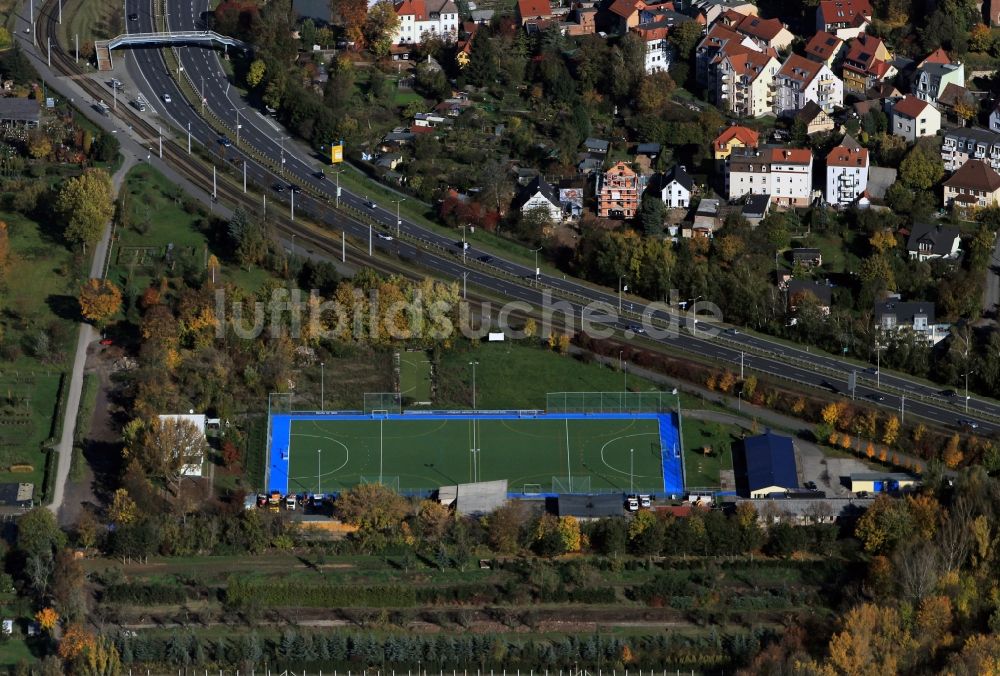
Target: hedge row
[{"x": 247, "y": 591}]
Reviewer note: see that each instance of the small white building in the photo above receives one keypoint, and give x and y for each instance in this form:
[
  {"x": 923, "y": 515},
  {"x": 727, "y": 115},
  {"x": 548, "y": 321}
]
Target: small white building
[
  {"x": 995, "y": 119},
  {"x": 540, "y": 195},
  {"x": 913, "y": 118},
  {"x": 846, "y": 175},
  {"x": 194, "y": 468},
  {"x": 676, "y": 187}
]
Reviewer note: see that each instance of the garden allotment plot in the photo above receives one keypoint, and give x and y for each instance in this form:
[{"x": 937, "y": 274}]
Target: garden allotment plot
[{"x": 540, "y": 453}]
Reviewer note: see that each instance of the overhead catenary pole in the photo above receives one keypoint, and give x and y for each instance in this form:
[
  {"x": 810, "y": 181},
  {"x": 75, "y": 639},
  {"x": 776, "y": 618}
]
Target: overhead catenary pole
[
  {"x": 322, "y": 387},
  {"x": 343, "y": 247},
  {"x": 48, "y": 50},
  {"x": 76, "y": 40},
  {"x": 160, "y": 132},
  {"x": 215, "y": 185},
  {"x": 369, "y": 239},
  {"x": 60, "y": 12},
  {"x": 244, "y": 176},
  {"x": 189, "y": 142},
  {"x": 292, "y": 204}
]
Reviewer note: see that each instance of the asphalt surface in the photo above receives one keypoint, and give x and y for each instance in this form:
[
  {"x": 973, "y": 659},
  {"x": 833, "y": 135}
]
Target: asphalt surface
[{"x": 486, "y": 270}]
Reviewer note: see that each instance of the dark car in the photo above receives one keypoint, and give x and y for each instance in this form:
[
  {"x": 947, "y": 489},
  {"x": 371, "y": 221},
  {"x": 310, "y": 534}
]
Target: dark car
[
  {"x": 485, "y": 258},
  {"x": 319, "y": 174},
  {"x": 948, "y": 393},
  {"x": 133, "y": 17},
  {"x": 971, "y": 424},
  {"x": 226, "y": 143},
  {"x": 876, "y": 397},
  {"x": 293, "y": 187},
  {"x": 279, "y": 187}
]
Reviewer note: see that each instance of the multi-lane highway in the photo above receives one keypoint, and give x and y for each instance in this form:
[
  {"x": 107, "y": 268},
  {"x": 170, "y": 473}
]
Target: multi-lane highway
[{"x": 484, "y": 269}]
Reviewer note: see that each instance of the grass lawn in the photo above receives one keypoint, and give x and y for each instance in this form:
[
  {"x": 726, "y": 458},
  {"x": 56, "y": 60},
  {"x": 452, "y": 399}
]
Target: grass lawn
[
  {"x": 327, "y": 455},
  {"x": 415, "y": 376},
  {"x": 157, "y": 218},
  {"x": 91, "y": 20},
  {"x": 14, "y": 650},
  {"x": 28, "y": 405},
  {"x": 703, "y": 470},
  {"x": 513, "y": 375}
]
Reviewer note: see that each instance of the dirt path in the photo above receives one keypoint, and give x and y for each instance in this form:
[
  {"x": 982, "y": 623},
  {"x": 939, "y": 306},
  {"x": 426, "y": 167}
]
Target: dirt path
[{"x": 101, "y": 447}]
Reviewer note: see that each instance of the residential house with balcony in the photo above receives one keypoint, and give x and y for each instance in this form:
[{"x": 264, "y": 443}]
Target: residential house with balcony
[
  {"x": 824, "y": 48},
  {"x": 719, "y": 41},
  {"x": 846, "y": 175},
  {"x": 913, "y": 118},
  {"x": 933, "y": 77},
  {"x": 895, "y": 316},
  {"x": 783, "y": 173},
  {"x": 618, "y": 192},
  {"x": 974, "y": 143},
  {"x": 932, "y": 240},
  {"x": 844, "y": 18},
  {"x": 744, "y": 82},
  {"x": 866, "y": 64},
  {"x": 417, "y": 18},
  {"x": 533, "y": 15},
  {"x": 800, "y": 80},
  {"x": 974, "y": 185}
]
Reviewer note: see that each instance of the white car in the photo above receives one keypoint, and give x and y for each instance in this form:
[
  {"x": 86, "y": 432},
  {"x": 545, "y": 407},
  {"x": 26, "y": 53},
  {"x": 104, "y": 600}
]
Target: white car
[
  {"x": 384, "y": 236},
  {"x": 633, "y": 505},
  {"x": 166, "y": 98}
]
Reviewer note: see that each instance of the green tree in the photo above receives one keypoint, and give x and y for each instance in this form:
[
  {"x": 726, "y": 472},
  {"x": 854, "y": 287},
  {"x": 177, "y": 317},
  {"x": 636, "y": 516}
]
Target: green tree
[
  {"x": 684, "y": 39},
  {"x": 380, "y": 26},
  {"x": 652, "y": 214},
  {"x": 38, "y": 534},
  {"x": 921, "y": 168},
  {"x": 85, "y": 205},
  {"x": 886, "y": 523}
]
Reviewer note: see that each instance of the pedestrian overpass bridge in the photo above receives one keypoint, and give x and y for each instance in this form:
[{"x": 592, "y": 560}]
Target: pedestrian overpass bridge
[{"x": 202, "y": 38}]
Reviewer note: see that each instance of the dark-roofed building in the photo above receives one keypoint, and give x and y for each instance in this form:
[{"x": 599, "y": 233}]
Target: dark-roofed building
[
  {"x": 932, "y": 240},
  {"x": 539, "y": 195},
  {"x": 975, "y": 184},
  {"x": 961, "y": 145},
  {"x": 764, "y": 465},
  {"x": 815, "y": 118},
  {"x": 596, "y": 145},
  {"x": 801, "y": 289},
  {"x": 17, "y": 497},
  {"x": 650, "y": 150},
  {"x": 587, "y": 507},
  {"x": 894, "y": 315},
  {"x": 17, "y": 112},
  {"x": 755, "y": 208},
  {"x": 675, "y": 188},
  {"x": 809, "y": 257}
]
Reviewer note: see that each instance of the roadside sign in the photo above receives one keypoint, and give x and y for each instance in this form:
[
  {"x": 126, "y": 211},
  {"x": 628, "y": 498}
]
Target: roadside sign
[
  {"x": 337, "y": 153},
  {"x": 852, "y": 382}
]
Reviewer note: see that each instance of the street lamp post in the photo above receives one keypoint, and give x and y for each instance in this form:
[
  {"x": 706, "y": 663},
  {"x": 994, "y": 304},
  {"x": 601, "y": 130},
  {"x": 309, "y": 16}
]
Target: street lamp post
[
  {"x": 473, "y": 364},
  {"x": 680, "y": 435},
  {"x": 319, "y": 470},
  {"x": 631, "y": 470},
  {"x": 621, "y": 288},
  {"x": 537, "y": 271},
  {"x": 399, "y": 221}
]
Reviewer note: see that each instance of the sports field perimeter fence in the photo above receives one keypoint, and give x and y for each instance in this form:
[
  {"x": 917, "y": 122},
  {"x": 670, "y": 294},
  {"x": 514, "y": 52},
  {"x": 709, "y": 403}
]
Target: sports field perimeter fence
[{"x": 609, "y": 402}]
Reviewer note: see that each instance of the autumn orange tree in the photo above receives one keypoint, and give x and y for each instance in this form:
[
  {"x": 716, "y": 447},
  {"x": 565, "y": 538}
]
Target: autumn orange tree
[
  {"x": 100, "y": 300},
  {"x": 75, "y": 642},
  {"x": 47, "y": 618}
]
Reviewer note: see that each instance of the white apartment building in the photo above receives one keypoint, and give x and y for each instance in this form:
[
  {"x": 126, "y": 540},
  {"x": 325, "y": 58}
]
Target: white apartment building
[
  {"x": 744, "y": 82},
  {"x": 961, "y": 145},
  {"x": 783, "y": 173},
  {"x": 846, "y": 175},
  {"x": 426, "y": 17},
  {"x": 800, "y": 80}
]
